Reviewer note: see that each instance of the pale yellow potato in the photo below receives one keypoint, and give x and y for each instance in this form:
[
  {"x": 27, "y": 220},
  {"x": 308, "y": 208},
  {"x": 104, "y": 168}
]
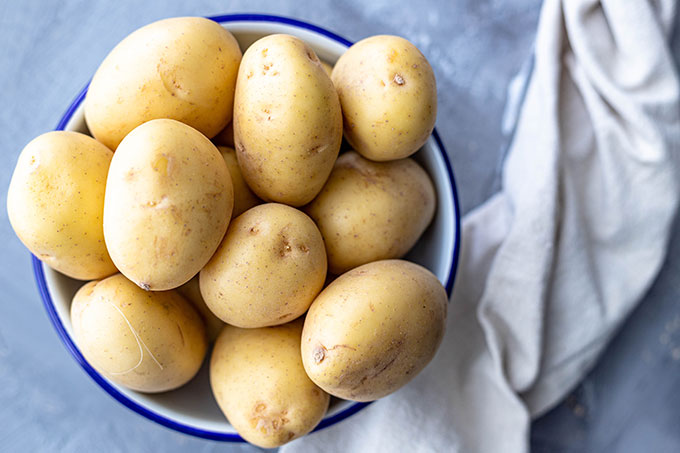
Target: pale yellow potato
[
  {"x": 327, "y": 67},
  {"x": 225, "y": 137},
  {"x": 146, "y": 341},
  {"x": 244, "y": 198},
  {"x": 55, "y": 203},
  {"x": 388, "y": 95},
  {"x": 369, "y": 211},
  {"x": 192, "y": 292},
  {"x": 168, "y": 203},
  {"x": 259, "y": 383},
  {"x": 182, "y": 68},
  {"x": 373, "y": 329},
  {"x": 268, "y": 269},
  {"x": 287, "y": 120}
]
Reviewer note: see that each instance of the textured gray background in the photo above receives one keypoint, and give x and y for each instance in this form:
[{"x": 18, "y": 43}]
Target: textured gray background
[{"x": 48, "y": 50}]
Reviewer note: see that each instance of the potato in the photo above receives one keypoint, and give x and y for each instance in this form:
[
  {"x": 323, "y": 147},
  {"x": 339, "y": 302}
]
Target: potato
[
  {"x": 268, "y": 269},
  {"x": 287, "y": 120},
  {"x": 55, "y": 203},
  {"x": 369, "y": 211},
  {"x": 168, "y": 203},
  {"x": 388, "y": 95},
  {"x": 182, "y": 68},
  {"x": 327, "y": 67},
  {"x": 373, "y": 329},
  {"x": 244, "y": 198},
  {"x": 225, "y": 137},
  {"x": 146, "y": 341},
  {"x": 259, "y": 383},
  {"x": 192, "y": 292}
]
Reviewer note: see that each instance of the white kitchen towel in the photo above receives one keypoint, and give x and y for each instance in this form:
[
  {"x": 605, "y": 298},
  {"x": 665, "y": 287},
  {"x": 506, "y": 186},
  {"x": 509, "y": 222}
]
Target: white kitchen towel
[{"x": 553, "y": 263}]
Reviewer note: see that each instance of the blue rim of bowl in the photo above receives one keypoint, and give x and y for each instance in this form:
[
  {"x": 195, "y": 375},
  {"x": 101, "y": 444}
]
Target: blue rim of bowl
[{"x": 151, "y": 415}]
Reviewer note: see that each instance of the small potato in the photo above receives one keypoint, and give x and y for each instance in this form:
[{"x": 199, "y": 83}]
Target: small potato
[
  {"x": 168, "y": 203},
  {"x": 259, "y": 383},
  {"x": 244, "y": 198},
  {"x": 182, "y": 68},
  {"x": 369, "y": 211},
  {"x": 225, "y": 137},
  {"x": 373, "y": 329},
  {"x": 268, "y": 269},
  {"x": 388, "y": 95},
  {"x": 327, "y": 67},
  {"x": 146, "y": 341},
  {"x": 287, "y": 120},
  {"x": 192, "y": 292},
  {"x": 55, "y": 203}
]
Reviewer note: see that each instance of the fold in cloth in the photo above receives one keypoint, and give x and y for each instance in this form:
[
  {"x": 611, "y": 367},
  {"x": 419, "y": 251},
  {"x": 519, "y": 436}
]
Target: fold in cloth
[{"x": 553, "y": 263}]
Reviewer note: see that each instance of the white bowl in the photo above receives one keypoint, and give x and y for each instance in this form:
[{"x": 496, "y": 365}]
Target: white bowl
[{"x": 191, "y": 409}]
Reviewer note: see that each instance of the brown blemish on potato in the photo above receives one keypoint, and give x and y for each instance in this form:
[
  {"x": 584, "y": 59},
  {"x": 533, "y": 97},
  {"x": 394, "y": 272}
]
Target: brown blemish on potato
[
  {"x": 398, "y": 79},
  {"x": 285, "y": 249},
  {"x": 303, "y": 248},
  {"x": 168, "y": 75},
  {"x": 267, "y": 423},
  {"x": 181, "y": 334},
  {"x": 318, "y": 149},
  {"x": 319, "y": 354},
  {"x": 311, "y": 54}
]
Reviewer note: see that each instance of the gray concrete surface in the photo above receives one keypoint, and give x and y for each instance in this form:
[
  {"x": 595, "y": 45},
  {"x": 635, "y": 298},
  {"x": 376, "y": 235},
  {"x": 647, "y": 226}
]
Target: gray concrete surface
[{"x": 48, "y": 50}]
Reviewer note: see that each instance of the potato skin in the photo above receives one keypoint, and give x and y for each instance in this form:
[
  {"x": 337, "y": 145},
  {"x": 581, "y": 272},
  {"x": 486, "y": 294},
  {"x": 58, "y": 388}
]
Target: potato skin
[
  {"x": 370, "y": 211},
  {"x": 268, "y": 269},
  {"x": 55, "y": 203},
  {"x": 182, "y": 68},
  {"x": 147, "y": 341},
  {"x": 168, "y": 203},
  {"x": 244, "y": 198},
  {"x": 388, "y": 95},
  {"x": 287, "y": 120},
  {"x": 192, "y": 292},
  {"x": 259, "y": 383},
  {"x": 327, "y": 67},
  {"x": 373, "y": 329}
]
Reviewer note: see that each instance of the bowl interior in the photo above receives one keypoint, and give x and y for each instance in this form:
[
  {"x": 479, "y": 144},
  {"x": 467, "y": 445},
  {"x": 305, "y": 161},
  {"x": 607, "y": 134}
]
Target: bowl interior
[{"x": 192, "y": 408}]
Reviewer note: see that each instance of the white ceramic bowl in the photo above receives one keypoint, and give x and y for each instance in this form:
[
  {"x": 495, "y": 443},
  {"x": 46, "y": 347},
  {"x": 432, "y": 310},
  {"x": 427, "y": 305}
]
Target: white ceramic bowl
[{"x": 192, "y": 409}]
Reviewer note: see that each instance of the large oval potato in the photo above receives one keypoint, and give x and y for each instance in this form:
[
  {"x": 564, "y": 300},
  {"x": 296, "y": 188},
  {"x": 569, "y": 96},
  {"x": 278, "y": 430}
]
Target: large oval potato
[
  {"x": 287, "y": 120},
  {"x": 168, "y": 203},
  {"x": 370, "y": 211},
  {"x": 388, "y": 95},
  {"x": 373, "y": 329},
  {"x": 259, "y": 383},
  {"x": 244, "y": 198},
  {"x": 268, "y": 269},
  {"x": 146, "y": 341},
  {"x": 182, "y": 68},
  {"x": 55, "y": 203}
]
